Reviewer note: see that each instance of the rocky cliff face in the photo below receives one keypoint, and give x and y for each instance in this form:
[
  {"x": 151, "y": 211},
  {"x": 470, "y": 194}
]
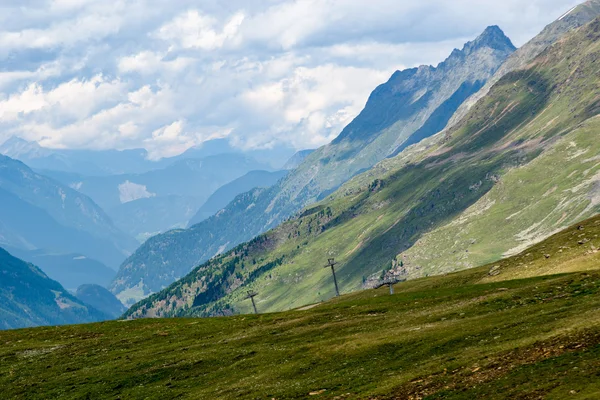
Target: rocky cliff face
[{"x": 414, "y": 104}]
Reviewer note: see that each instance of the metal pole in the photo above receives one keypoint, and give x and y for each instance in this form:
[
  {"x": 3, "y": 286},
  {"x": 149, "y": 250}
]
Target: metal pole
[
  {"x": 251, "y": 296},
  {"x": 337, "y": 290},
  {"x": 254, "y": 305},
  {"x": 391, "y": 288}
]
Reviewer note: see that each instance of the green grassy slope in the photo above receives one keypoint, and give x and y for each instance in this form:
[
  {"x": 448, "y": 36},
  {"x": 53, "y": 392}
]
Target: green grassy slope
[
  {"x": 487, "y": 187},
  {"x": 479, "y": 333}
]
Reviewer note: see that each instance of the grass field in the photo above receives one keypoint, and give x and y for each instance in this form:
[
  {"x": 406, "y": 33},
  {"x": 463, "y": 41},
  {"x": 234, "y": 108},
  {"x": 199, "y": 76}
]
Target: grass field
[{"x": 497, "y": 331}]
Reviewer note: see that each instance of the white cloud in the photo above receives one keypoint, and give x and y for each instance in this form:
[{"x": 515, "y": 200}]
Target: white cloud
[
  {"x": 148, "y": 62},
  {"x": 74, "y": 99},
  {"x": 67, "y": 33},
  {"x": 193, "y": 30},
  {"x": 168, "y": 75}
]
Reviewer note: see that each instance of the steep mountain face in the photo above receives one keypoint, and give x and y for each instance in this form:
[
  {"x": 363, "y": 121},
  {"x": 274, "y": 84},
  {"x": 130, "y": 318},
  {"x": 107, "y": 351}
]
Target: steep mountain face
[
  {"x": 486, "y": 188},
  {"x": 412, "y": 105},
  {"x": 29, "y": 298},
  {"x": 41, "y": 208},
  {"x": 225, "y": 194},
  {"x": 70, "y": 270},
  {"x": 297, "y": 159},
  {"x": 579, "y": 16},
  {"x": 100, "y": 299}
]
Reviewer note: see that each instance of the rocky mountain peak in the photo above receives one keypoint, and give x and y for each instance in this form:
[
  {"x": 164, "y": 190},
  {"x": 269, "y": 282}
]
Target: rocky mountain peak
[
  {"x": 16, "y": 146},
  {"x": 492, "y": 37}
]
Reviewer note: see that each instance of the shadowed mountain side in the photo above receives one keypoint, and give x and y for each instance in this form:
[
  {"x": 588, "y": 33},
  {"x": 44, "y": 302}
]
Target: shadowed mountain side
[
  {"x": 440, "y": 117},
  {"x": 70, "y": 270},
  {"x": 101, "y": 299},
  {"x": 29, "y": 298}
]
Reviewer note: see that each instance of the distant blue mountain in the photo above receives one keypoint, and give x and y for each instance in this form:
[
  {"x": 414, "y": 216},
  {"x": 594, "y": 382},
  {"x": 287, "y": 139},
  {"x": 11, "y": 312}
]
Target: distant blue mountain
[
  {"x": 40, "y": 213},
  {"x": 70, "y": 270},
  {"x": 29, "y": 298},
  {"x": 228, "y": 192},
  {"x": 134, "y": 161}
]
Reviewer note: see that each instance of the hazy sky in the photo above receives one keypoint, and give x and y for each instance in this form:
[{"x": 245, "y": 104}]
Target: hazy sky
[{"x": 166, "y": 75}]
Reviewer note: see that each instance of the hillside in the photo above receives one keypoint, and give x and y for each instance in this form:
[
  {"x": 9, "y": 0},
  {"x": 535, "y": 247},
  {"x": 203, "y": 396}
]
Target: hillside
[
  {"x": 29, "y": 298},
  {"x": 469, "y": 196},
  {"x": 226, "y": 193},
  {"x": 495, "y": 332},
  {"x": 71, "y": 270},
  {"x": 100, "y": 299},
  {"x": 412, "y": 105}
]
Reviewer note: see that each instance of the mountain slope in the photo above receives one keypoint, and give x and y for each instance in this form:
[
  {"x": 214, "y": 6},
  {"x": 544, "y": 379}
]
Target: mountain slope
[
  {"x": 24, "y": 226},
  {"x": 579, "y": 16},
  {"x": 486, "y": 333},
  {"x": 226, "y": 193},
  {"x": 64, "y": 204},
  {"x": 495, "y": 170},
  {"x": 29, "y": 298},
  {"x": 70, "y": 270},
  {"x": 297, "y": 159},
  {"x": 415, "y": 101},
  {"x": 100, "y": 299}
]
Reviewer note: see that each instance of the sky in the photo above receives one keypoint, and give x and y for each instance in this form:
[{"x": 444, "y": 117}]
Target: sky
[{"x": 169, "y": 75}]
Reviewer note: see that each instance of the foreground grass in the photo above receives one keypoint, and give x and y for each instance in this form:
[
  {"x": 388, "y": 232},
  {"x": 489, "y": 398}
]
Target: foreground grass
[{"x": 443, "y": 337}]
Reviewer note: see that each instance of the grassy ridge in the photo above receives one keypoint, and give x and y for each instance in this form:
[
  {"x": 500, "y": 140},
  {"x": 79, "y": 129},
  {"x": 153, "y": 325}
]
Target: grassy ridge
[{"x": 479, "y": 333}]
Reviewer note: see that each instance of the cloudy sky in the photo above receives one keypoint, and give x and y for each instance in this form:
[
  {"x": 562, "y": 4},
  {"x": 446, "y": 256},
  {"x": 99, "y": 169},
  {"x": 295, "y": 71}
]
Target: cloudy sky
[{"x": 167, "y": 75}]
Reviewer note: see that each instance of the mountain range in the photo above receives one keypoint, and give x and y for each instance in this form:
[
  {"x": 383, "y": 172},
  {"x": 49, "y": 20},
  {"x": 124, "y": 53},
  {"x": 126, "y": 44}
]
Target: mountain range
[
  {"x": 427, "y": 179},
  {"x": 133, "y": 161},
  {"x": 29, "y": 298},
  {"x": 40, "y": 213},
  {"x": 161, "y": 199},
  {"x": 484, "y": 188},
  {"x": 412, "y": 105}
]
